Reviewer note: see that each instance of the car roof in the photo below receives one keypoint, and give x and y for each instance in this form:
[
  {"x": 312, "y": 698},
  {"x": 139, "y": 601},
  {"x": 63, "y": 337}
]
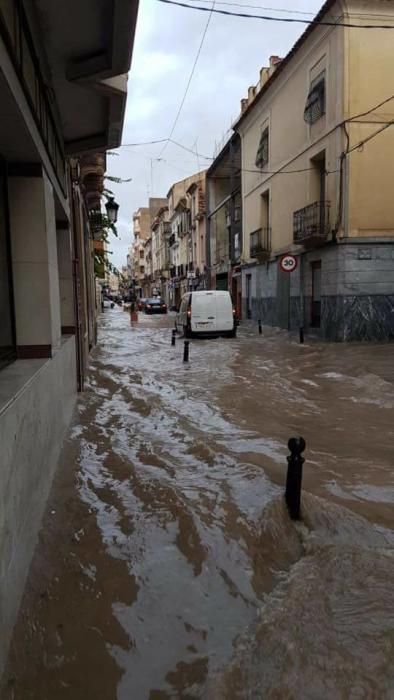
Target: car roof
[{"x": 209, "y": 291}]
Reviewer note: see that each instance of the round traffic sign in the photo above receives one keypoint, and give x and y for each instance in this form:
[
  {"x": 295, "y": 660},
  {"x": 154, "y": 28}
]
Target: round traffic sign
[{"x": 288, "y": 263}]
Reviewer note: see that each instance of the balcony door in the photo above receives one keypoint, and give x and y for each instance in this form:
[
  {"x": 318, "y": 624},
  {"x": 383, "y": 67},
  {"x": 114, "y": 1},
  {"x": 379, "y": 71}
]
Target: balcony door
[
  {"x": 318, "y": 188},
  {"x": 7, "y": 332}
]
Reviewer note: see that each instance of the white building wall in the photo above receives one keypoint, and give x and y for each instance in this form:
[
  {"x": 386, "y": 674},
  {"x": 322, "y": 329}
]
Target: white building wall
[{"x": 36, "y": 403}]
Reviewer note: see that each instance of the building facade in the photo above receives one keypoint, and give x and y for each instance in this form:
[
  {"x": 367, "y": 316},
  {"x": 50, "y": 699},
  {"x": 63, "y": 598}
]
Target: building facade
[
  {"x": 181, "y": 197},
  {"x": 224, "y": 221},
  {"x": 197, "y": 246},
  {"x": 142, "y": 245},
  {"x": 48, "y": 121},
  {"x": 317, "y": 169},
  {"x": 161, "y": 231}
]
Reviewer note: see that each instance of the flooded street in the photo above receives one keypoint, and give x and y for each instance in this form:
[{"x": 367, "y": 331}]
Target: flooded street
[{"x": 167, "y": 566}]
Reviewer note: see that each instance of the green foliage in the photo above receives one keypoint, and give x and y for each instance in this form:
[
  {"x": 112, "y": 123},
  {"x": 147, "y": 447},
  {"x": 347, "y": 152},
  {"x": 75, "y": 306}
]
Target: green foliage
[
  {"x": 118, "y": 180},
  {"x": 101, "y": 226}
]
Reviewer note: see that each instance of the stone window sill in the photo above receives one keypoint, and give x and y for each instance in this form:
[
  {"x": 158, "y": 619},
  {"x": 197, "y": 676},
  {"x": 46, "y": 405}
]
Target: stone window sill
[{"x": 17, "y": 376}]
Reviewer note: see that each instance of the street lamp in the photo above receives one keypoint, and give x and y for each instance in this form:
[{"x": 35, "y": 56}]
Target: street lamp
[{"x": 112, "y": 210}]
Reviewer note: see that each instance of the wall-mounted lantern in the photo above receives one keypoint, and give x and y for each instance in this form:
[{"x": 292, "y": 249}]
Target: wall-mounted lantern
[{"x": 112, "y": 210}]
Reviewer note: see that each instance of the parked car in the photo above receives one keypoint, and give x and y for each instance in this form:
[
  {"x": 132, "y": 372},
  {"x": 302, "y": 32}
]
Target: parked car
[
  {"x": 107, "y": 303},
  {"x": 141, "y": 304},
  {"x": 207, "y": 313},
  {"x": 155, "y": 306}
]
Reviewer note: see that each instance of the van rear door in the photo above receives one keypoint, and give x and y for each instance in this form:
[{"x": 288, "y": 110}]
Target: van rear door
[
  {"x": 224, "y": 312},
  {"x": 204, "y": 312}
]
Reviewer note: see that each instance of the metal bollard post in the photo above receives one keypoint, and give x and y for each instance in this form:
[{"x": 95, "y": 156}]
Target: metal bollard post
[
  {"x": 260, "y": 328},
  {"x": 186, "y": 351},
  {"x": 294, "y": 476},
  {"x": 173, "y": 338}
]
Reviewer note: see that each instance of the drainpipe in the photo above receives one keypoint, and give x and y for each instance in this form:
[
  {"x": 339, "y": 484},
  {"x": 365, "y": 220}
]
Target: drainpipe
[
  {"x": 345, "y": 187},
  {"x": 75, "y": 272}
]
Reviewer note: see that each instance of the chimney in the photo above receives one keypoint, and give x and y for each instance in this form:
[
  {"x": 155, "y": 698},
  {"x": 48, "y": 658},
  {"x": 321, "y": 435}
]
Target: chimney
[
  {"x": 274, "y": 63},
  {"x": 274, "y": 60},
  {"x": 244, "y": 105},
  {"x": 251, "y": 93},
  {"x": 264, "y": 75}
]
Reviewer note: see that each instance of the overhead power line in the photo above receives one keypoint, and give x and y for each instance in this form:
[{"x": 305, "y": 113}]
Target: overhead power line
[
  {"x": 369, "y": 138},
  {"x": 142, "y": 143},
  {"x": 261, "y": 7},
  {"x": 268, "y": 18},
  {"x": 210, "y": 10}
]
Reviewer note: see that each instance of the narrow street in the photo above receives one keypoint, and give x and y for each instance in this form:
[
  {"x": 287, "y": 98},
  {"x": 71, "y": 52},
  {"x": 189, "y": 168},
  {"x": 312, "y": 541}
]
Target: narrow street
[{"x": 167, "y": 566}]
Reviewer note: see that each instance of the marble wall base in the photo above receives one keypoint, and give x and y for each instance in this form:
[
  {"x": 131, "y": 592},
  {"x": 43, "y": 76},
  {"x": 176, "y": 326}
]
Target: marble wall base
[
  {"x": 343, "y": 318},
  {"x": 358, "y": 318}
]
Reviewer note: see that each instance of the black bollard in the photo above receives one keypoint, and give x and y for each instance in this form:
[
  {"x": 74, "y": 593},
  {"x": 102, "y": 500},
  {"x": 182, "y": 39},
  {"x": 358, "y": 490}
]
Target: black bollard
[
  {"x": 173, "y": 338},
  {"x": 260, "y": 328},
  {"x": 294, "y": 476},
  {"x": 301, "y": 334},
  {"x": 186, "y": 351}
]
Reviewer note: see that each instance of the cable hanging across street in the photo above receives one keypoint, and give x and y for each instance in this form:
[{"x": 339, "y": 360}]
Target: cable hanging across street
[
  {"x": 287, "y": 20},
  {"x": 178, "y": 114}
]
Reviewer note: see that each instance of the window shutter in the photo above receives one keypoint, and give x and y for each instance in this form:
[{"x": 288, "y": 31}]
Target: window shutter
[
  {"x": 316, "y": 101},
  {"x": 262, "y": 155}
]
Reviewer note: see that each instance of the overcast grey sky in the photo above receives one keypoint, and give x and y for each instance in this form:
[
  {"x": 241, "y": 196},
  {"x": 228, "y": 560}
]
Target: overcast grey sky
[{"x": 166, "y": 44}]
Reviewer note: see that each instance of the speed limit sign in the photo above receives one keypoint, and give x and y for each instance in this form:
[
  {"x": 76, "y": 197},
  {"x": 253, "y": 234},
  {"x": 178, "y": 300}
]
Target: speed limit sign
[{"x": 288, "y": 263}]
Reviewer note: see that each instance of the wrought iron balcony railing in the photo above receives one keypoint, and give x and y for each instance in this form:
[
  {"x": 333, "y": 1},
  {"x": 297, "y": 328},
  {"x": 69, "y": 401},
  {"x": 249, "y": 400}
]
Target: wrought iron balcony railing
[
  {"x": 260, "y": 242},
  {"x": 312, "y": 223}
]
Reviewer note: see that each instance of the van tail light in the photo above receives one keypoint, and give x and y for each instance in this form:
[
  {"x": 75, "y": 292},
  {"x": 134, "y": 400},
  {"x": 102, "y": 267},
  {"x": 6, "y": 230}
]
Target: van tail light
[
  {"x": 189, "y": 313},
  {"x": 234, "y": 312}
]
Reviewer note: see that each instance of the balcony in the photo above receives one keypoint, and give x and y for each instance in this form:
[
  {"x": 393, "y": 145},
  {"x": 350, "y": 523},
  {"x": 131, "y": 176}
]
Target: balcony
[
  {"x": 312, "y": 224},
  {"x": 260, "y": 244},
  {"x": 171, "y": 240},
  {"x": 14, "y": 28}
]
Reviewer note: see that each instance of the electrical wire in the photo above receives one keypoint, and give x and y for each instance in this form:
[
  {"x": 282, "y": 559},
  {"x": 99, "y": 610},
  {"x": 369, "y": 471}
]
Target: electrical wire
[
  {"x": 237, "y": 169},
  {"x": 261, "y": 7},
  {"x": 269, "y": 172},
  {"x": 143, "y": 143},
  {"x": 373, "y": 109},
  {"x": 189, "y": 150},
  {"x": 369, "y": 138},
  {"x": 287, "y": 20},
  {"x": 190, "y": 76}
]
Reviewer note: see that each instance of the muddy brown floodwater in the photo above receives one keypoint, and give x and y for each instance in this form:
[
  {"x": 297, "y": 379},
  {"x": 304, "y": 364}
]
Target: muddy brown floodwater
[{"x": 167, "y": 566}]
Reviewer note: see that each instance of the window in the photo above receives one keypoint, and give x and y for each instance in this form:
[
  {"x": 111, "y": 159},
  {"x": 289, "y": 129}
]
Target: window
[
  {"x": 141, "y": 254},
  {"x": 7, "y": 335},
  {"x": 262, "y": 151},
  {"x": 316, "y": 101}
]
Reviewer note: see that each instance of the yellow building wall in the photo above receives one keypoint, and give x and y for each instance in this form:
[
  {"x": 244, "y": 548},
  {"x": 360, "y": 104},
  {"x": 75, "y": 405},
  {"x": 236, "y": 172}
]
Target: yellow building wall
[
  {"x": 359, "y": 75},
  {"x": 370, "y": 81}
]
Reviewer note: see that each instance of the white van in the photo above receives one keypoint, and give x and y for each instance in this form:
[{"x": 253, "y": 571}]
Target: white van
[{"x": 206, "y": 313}]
